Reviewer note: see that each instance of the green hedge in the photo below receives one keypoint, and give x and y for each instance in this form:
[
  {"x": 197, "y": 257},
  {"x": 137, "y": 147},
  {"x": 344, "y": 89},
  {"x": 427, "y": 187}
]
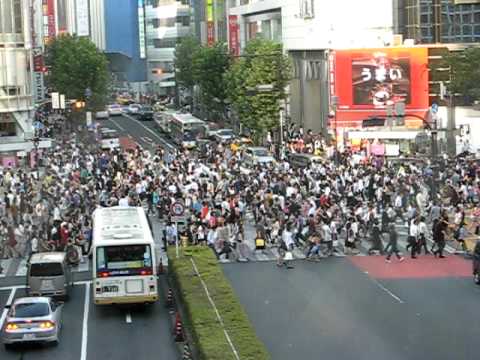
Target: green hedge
[{"x": 201, "y": 319}]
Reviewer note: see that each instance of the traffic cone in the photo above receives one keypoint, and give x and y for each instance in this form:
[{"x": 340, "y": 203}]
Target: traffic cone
[
  {"x": 170, "y": 298},
  {"x": 187, "y": 355},
  {"x": 160, "y": 267},
  {"x": 178, "y": 328}
]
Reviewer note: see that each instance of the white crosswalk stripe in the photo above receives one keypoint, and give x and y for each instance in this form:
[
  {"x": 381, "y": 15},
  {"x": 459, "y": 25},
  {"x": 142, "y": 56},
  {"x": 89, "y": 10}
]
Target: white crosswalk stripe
[
  {"x": 4, "y": 265},
  {"x": 22, "y": 268}
]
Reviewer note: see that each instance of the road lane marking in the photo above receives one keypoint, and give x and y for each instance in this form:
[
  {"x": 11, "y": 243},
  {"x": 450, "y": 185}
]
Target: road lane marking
[
  {"x": 86, "y": 309},
  {"x": 219, "y": 318},
  {"x": 150, "y": 131},
  {"x": 6, "y": 288},
  {"x": 128, "y": 318},
  {"x": 5, "y": 311},
  {"x": 379, "y": 284},
  {"x": 117, "y": 125}
]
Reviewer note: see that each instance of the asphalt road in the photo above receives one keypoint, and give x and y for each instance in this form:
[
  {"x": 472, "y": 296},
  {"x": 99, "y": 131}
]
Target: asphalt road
[
  {"x": 110, "y": 332},
  {"x": 334, "y": 310},
  {"x": 143, "y": 132}
]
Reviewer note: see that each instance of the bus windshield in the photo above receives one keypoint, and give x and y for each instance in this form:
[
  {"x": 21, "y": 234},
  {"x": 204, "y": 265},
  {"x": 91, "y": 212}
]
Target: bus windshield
[{"x": 125, "y": 260}]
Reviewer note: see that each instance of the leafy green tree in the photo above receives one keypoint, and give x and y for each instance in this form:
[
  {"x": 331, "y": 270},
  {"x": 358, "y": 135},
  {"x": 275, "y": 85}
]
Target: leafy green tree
[
  {"x": 210, "y": 65},
  {"x": 184, "y": 54},
  {"x": 256, "y": 85},
  {"x": 75, "y": 65},
  {"x": 465, "y": 73}
]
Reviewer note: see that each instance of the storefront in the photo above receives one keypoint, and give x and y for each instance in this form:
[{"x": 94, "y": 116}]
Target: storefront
[{"x": 387, "y": 143}]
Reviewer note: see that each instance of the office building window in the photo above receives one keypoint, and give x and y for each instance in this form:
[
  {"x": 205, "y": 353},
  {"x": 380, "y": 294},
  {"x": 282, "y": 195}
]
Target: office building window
[
  {"x": 8, "y": 129},
  {"x": 164, "y": 43},
  {"x": 183, "y": 20},
  {"x": 11, "y": 16}
]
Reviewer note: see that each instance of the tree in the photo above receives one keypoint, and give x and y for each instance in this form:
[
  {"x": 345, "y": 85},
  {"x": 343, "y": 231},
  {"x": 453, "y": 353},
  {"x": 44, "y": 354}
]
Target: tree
[
  {"x": 184, "y": 54},
  {"x": 263, "y": 63},
  {"x": 209, "y": 67},
  {"x": 464, "y": 73},
  {"x": 75, "y": 65}
]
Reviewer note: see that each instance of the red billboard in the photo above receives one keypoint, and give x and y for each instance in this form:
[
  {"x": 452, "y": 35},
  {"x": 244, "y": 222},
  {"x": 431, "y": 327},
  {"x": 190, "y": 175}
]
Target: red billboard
[
  {"x": 233, "y": 35},
  {"x": 210, "y": 33},
  {"x": 367, "y": 81}
]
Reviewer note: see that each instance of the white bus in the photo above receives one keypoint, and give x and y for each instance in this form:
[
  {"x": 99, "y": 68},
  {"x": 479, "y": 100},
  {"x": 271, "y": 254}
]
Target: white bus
[
  {"x": 163, "y": 119},
  {"x": 185, "y": 129},
  {"x": 124, "y": 266}
]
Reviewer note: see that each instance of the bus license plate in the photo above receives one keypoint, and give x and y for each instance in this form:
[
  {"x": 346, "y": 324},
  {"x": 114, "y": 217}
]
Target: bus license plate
[{"x": 111, "y": 288}]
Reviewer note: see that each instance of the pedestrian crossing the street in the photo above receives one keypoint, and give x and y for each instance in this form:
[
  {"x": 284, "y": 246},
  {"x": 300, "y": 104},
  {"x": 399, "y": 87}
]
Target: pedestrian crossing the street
[{"x": 247, "y": 252}]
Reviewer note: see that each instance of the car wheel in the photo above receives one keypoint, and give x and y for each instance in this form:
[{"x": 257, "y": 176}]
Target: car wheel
[{"x": 476, "y": 278}]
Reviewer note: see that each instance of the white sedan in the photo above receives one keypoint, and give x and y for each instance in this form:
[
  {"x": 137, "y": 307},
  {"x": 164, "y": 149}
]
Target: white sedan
[{"x": 114, "y": 110}]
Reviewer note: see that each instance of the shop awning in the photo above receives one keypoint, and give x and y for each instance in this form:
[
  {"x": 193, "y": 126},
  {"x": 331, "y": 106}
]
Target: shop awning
[{"x": 387, "y": 135}]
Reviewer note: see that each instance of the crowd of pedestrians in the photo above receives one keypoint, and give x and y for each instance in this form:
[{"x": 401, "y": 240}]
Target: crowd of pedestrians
[{"x": 317, "y": 209}]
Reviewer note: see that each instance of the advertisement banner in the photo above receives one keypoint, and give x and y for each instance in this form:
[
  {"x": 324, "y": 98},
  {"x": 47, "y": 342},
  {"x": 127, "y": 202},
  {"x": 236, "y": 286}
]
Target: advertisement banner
[
  {"x": 233, "y": 35},
  {"x": 51, "y": 19},
  {"x": 141, "y": 29},
  {"x": 83, "y": 20},
  {"x": 210, "y": 33},
  {"x": 62, "y": 16},
  {"x": 369, "y": 80},
  {"x": 209, "y": 10}
]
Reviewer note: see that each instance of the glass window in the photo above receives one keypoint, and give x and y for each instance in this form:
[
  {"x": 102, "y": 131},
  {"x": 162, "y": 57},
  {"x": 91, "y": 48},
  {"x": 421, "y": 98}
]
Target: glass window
[
  {"x": 467, "y": 18},
  {"x": 124, "y": 260},
  {"x": 17, "y": 13},
  {"x": 477, "y": 30},
  {"x": 467, "y": 30},
  {"x": 28, "y": 310},
  {"x": 8, "y": 129},
  {"x": 46, "y": 269}
]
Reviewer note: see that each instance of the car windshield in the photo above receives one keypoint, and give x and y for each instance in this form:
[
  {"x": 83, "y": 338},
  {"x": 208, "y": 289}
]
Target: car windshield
[
  {"x": 46, "y": 269},
  {"x": 147, "y": 108},
  {"x": 28, "y": 310},
  {"x": 260, "y": 152},
  {"x": 225, "y": 132}
]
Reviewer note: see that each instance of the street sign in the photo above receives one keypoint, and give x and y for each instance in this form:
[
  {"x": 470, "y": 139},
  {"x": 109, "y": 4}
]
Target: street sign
[
  {"x": 177, "y": 209},
  {"x": 178, "y": 219},
  {"x": 434, "y": 108},
  {"x": 55, "y": 100}
]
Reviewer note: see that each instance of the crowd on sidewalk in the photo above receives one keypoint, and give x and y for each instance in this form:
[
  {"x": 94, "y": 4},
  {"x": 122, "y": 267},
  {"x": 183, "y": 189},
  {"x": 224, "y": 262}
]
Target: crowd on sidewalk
[{"x": 317, "y": 209}]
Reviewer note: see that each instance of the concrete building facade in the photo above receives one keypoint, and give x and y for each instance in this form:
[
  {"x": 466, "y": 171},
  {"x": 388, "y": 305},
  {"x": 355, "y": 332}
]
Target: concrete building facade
[
  {"x": 308, "y": 30},
  {"x": 166, "y": 22},
  {"x": 16, "y": 102}
]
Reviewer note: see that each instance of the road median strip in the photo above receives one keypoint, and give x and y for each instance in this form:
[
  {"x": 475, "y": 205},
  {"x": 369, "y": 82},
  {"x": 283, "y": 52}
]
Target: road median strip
[{"x": 218, "y": 324}]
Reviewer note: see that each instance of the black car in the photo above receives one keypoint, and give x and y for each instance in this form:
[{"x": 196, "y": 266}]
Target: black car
[{"x": 145, "y": 113}]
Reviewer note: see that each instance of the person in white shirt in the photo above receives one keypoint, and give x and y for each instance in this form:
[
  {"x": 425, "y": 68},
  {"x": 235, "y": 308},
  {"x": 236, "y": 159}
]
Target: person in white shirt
[
  {"x": 124, "y": 202},
  {"x": 422, "y": 236},
  {"x": 412, "y": 238}
]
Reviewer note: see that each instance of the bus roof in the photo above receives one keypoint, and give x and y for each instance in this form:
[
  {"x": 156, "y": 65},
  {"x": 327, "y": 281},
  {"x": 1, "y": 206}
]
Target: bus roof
[
  {"x": 120, "y": 225},
  {"x": 186, "y": 119}
]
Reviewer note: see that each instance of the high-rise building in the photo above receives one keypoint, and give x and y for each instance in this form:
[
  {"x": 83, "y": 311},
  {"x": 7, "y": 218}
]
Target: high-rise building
[
  {"x": 309, "y": 30},
  {"x": 166, "y": 22},
  {"x": 460, "y": 20},
  {"x": 210, "y": 18},
  {"x": 116, "y": 27},
  {"x": 16, "y": 103}
]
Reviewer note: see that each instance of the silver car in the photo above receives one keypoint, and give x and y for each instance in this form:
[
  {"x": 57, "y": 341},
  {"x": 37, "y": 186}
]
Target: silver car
[{"x": 32, "y": 319}]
